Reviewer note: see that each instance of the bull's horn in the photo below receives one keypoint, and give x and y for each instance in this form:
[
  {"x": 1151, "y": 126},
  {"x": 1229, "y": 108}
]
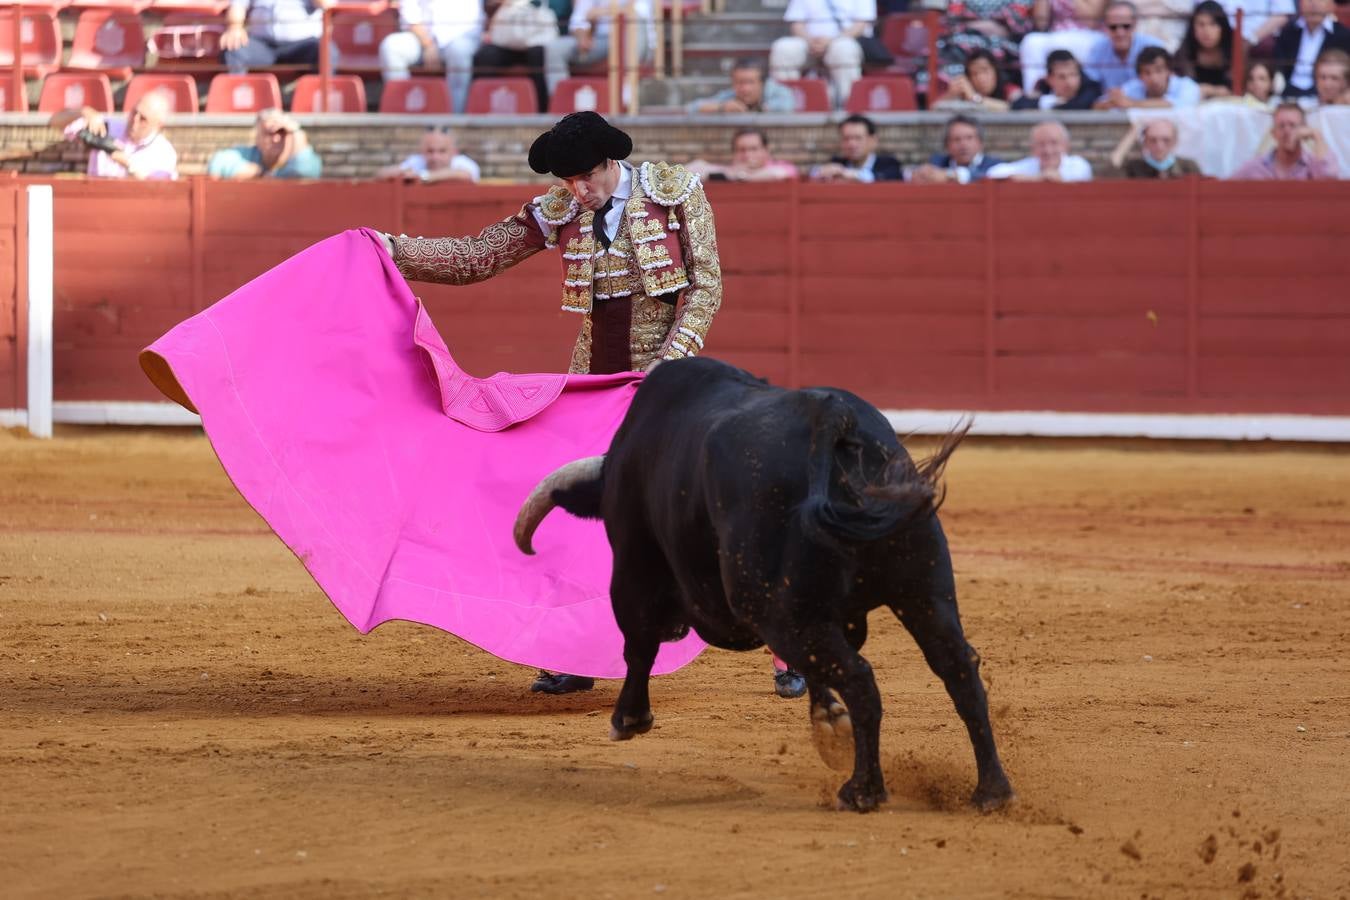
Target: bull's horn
[{"x": 540, "y": 501}]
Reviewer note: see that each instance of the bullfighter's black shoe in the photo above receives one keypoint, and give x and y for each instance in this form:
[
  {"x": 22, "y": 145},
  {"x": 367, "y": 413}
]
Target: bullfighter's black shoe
[
  {"x": 549, "y": 683},
  {"x": 788, "y": 683}
]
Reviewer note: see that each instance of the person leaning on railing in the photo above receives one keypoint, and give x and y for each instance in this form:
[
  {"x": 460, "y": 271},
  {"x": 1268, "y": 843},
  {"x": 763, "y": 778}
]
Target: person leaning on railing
[
  {"x": 280, "y": 149},
  {"x": 1157, "y": 140},
  {"x": 437, "y": 159},
  {"x": 1050, "y": 159},
  {"x": 750, "y": 92},
  {"x": 981, "y": 87},
  {"x": 1154, "y": 85},
  {"x": 132, "y": 148},
  {"x": 964, "y": 160},
  {"x": 1302, "y": 41},
  {"x": 1064, "y": 86},
  {"x": 1300, "y": 152}
]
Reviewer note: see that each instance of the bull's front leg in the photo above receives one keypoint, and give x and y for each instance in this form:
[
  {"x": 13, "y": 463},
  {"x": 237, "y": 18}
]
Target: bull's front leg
[{"x": 633, "y": 710}]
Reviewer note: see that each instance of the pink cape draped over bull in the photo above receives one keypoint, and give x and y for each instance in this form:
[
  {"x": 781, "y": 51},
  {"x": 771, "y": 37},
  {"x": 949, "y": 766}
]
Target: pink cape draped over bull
[{"x": 340, "y": 415}]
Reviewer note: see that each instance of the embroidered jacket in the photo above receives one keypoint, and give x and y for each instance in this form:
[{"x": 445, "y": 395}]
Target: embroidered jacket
[{"x": 665, "y": 249}]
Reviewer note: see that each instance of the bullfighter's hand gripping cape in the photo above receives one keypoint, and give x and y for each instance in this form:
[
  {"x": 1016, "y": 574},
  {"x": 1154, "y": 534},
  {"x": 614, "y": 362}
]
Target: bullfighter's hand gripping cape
[{"x": 340, "y": 415}]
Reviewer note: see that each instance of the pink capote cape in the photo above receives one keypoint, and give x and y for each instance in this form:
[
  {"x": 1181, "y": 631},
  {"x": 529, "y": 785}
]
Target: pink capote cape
[{"x": 395, "y": 477}]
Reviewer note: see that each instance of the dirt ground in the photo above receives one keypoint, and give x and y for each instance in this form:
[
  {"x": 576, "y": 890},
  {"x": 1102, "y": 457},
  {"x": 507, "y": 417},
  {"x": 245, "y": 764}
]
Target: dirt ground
[{"x": 1164, "y": 631}]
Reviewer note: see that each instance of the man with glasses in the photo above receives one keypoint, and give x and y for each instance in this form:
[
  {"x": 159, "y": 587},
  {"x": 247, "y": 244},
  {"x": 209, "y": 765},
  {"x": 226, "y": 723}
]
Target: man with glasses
[
  {"x": 1111, "y": 60},
  {"x": 134, "y": 148}
]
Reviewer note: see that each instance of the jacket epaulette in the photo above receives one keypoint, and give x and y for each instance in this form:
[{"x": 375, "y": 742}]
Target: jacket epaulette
[
  {"x": 666, "y": 184},
  {"x": 557, "y": 206}
]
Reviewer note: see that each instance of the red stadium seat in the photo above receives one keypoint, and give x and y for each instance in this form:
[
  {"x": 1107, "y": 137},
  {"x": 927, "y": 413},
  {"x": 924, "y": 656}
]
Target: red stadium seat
[
  {"x": 882, "y": 93},
  {"x": 40, "y": 38},
  {"x": 579, "y": 95},
  {"x": 72, "y": 90},
  {"x": 811, "y": 94},
  {"x": 190, "y": 39},
  {"x": 183, "y": 89},
  {"x": 906, "y": 36},
  {"x": 502, "y": 97},
  {"x": 421, "y": 96},
  {"x": 358, "y": 39},
  {"x": 5, "y": 105},
  {"x": 243, "y": 93},
  {"x": 109, "y": 40},
  {"x": 346, "y": 94}
]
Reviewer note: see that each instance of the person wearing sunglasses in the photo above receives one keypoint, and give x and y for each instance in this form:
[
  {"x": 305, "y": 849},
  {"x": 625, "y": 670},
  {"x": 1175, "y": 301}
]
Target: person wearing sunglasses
[{"x": 1111, "y": 60}]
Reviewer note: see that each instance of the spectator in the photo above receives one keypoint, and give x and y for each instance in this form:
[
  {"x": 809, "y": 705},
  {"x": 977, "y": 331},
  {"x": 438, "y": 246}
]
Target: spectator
[
  {"x": 437, "y": 34},
  {"x": 1060, "y": 25},
  {"x": 750, "y": 161},
  {"x": 1111, "y": 60},
  {"x": 1164, "y": 21},
  {"x": 824, "y": 32},
  {"x": 588, "y": 34},
  {"x": 858, "y": 159},
  {"x": 992, "y": 27},
  {"x": 964, "y": 160},
  {"x": 1331, "y": 77},
  {"x": 1157, "y": 140},
  {"x": 1290, "y": 160},
  {"x": 262, "y": 33},
  {"x": 1302, "y": 41},
  {"x": 1261, "y": 20},
  {"x": 280, "y": 149},
  {"x": 438, "y": 159},
  {"x": 1064, "y": 86},
  {"x": 493, "y": 60},
  {"x": 1155, "y": 85},
  {"x": 132, "y": 148},
  {"x": 749, "y": 92},
  {"x": 1206, "y": 52},
  {"x": 1259, "y": 87},
  {"x": 981, "y": 87},
  {"x": 1049, "y": 159}
]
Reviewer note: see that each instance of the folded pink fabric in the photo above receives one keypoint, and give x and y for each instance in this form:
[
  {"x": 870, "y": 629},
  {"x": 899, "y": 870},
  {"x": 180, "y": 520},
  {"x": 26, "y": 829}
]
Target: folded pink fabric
[{"x": 340, "y": 415}]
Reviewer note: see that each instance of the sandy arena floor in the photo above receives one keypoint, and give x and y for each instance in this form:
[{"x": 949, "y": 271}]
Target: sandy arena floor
[{"x": 1164, "y": 629}]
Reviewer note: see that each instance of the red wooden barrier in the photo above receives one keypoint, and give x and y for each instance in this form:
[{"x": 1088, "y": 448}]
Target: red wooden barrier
[
  {"x": 1111, "y": 297},
  {"x": 13, "y": 289}
]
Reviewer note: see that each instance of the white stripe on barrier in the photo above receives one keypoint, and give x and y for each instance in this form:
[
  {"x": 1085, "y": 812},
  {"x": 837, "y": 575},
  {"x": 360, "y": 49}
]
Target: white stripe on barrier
[
  {"x": 1184, "y": 426},
  {"x": 39, "y": 300}
]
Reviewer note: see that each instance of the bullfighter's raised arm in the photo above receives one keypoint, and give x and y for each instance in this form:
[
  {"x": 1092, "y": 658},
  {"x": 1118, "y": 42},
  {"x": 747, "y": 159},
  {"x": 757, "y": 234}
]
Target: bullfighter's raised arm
[{"x": 467, "y": 260}]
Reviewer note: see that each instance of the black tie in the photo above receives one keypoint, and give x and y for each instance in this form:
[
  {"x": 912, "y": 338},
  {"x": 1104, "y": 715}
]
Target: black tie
[{"x": 598, "y": 224}]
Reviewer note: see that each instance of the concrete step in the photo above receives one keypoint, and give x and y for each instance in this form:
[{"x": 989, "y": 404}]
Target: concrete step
[
  {"x": 749, "y": 28},
  {"x": 717, "y": 58},
  {"x": 735, "y": 7},
  {"x": 677, "y": 92}
]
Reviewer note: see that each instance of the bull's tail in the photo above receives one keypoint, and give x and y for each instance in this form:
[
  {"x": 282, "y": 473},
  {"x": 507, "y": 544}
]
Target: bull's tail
[
  {"x": 576, "y": 487},
  {"x": 845, "y": 502}
]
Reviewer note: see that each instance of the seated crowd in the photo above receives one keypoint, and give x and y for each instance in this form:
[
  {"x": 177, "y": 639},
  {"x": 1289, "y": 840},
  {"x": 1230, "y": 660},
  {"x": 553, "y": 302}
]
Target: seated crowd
[{"x": 1044, "y": 56}]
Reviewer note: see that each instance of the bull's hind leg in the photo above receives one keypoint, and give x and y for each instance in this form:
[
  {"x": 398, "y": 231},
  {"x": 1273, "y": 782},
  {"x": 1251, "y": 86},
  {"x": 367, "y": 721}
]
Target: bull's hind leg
[
  {"x": 937, "y": 630},
  {"x": 832, "y": 666}
]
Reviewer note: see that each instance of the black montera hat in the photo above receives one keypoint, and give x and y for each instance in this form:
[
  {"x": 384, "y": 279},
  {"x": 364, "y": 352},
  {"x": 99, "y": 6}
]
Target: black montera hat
[{"x": 578, "y": 143}]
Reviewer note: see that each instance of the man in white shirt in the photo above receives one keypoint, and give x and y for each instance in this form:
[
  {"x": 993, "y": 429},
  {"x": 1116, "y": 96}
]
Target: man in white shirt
[
  {"x": 436, "y": 34},
  {"x": 1301, "y": 42},
  {"x": 132, "y": 148},
  {"x": 1261, "y": 19},
  {"x": 587, "y": 40},
  {"x": 438, "y": 159},
  {"x": 1049, "y": 159},
  {"x": 824, "y": 32}
]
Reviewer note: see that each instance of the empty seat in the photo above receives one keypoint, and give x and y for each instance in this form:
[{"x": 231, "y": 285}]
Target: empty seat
[
  {"x": 182, "y": 88},
  {"x": 810, "y": 94},
  {"x": 580, "y": 95},
  {"x": 110, "y": 40},
  {"x": 358, "y": 37},
  {"x": 881, "y": 93},
  {"x": 6, "y": 101},
  {"x": 346, "y": 94},
  {"x": 72, "y": 90},
  {"x": 421, "y": 96},
  {"x": 39, "y": 37},
  {"x": 502, "y": 97},
  {"x": 243, "y": 93}
]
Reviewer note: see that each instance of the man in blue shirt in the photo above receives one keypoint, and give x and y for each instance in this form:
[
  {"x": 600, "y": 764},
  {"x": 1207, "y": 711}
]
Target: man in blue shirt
[
  {"x": 280, "y": 150},
  {"x": 1111, "y": 60},
  {"x": 965, "y": 160},
  {"x": 1154, "y": 86}
]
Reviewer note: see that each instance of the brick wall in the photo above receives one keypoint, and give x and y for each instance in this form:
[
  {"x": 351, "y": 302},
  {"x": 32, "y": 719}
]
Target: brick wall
[{"x": 356, "y": 146}]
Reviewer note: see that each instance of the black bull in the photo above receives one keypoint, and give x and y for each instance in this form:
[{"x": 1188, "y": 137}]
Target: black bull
[{"x": 759, "y": 515}]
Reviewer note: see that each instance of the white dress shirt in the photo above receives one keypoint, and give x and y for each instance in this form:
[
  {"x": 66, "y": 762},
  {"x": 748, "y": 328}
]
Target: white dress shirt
[
  {"x": 827, "y": 18},
  {"x": 1308, "y": 48},
  {"x": 1071, "y": 168}
]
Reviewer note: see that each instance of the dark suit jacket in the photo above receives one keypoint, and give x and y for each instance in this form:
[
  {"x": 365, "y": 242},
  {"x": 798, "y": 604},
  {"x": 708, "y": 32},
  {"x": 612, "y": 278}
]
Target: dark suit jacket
[
  {"x": 977, "y": 171},
  {"x": 1088, "y": 92},
  {"x": 1137, "y": 168},
  {"x": 1286, "y": 50},
  {"x": 884, "y": 168}
]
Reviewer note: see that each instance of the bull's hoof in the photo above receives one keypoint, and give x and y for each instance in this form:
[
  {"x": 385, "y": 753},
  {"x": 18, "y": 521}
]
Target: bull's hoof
[
  {"x": 629, "y": 727},
  {"x": 855, "y": 798},
  {"x": 832, "y": 733},
  {"x": 992, "y": 799}
]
